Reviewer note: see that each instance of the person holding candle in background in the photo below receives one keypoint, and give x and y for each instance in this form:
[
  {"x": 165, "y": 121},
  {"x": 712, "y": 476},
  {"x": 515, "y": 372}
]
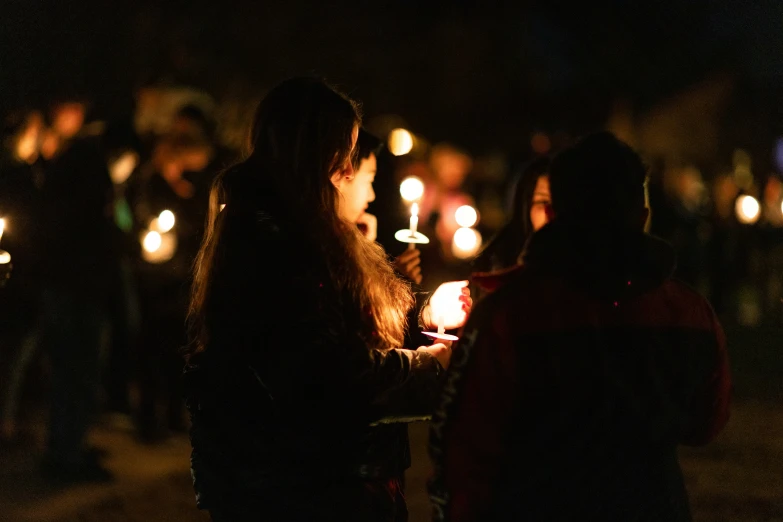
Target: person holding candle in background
[
  {"x": 358, "y": 193},
  {"x": 296, "y": 371}
]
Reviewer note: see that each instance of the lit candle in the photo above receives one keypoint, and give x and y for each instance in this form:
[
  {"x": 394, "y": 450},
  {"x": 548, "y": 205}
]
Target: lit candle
[
  {"x": 2, "y": 227},
  {"x": 414, "y": 225},
  {"x": 414, "y": 218},
  {"x": 441, "y": 324}
]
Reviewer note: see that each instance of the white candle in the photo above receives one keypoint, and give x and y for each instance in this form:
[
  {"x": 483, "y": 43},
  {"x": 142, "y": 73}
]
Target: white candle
[
  {"x": 414, "y": 218},
  {"x": 2, "y": 227},
  {"x": 441, "y": 324}
]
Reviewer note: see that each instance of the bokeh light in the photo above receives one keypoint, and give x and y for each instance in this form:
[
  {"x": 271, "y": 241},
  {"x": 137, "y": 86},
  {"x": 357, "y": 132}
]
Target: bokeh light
[
  {"x": 152, "y": 241},
  {"x": 748, "y": 209},
  {"x": 166, "y": 221},
  {"x": 400, "y": 142},
  {"x": 466, "y": 216},
  {"x": 466, "y": 243},
  {"x": 411, "y": 189}
]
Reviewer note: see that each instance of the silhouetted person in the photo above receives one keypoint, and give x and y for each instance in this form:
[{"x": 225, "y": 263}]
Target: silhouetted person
[
  {"x": 297, "y": 376},
  {"x": 78, "y": 263},
  {"x": 172, "y": 181},
  {"x": 575, "y": 382}
]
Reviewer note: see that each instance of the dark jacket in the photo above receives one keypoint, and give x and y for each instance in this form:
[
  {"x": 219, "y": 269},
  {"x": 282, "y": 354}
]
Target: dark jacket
[
  {"x": 574, "y": 383},
  {"x": 76, "y": 225},
  {"x": 293, "y": 416}
]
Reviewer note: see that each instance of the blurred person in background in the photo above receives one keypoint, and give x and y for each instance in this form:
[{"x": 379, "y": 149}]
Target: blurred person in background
[
  {"x": 20, "y": 204},
  {"x": 296, "y": 374},
  {"x": 727, "y": 250},
  {"x": 121, "y": 148},
  {"x": 528, "y": 215},
  {"x": 66, "y": 118},
  {"x": 172, "y": 180},
  {"x": 359, "y": 193},
  {"x": 78, "y": 264}
]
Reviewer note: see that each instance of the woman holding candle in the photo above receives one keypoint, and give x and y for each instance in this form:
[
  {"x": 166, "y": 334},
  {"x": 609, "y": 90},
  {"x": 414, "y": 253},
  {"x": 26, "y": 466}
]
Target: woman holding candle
[{"x": 296, "y": 364}]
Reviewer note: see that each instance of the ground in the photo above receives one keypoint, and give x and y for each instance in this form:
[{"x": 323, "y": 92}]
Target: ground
[{"x": 737, "y": 478}]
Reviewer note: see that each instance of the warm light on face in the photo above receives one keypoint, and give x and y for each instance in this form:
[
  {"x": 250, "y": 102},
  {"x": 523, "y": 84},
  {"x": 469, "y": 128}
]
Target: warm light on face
[
  {"x": 466, "y": 243},
  {"x": 152, "y": 241},
  {"x": 166, "y": 221},
  {"x": 748, "y": 209},
  {"x": 411, "y": 189},
  {"x": 466, "y": 216},
  {"x": 400, "y": 142}
]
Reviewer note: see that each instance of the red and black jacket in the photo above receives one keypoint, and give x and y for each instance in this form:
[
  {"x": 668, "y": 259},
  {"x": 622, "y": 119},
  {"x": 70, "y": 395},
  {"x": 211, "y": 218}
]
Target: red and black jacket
[{"x": 573, "y": 384}]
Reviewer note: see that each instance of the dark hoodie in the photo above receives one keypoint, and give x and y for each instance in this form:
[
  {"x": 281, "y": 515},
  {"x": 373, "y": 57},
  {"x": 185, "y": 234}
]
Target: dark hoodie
[{"x": 574, "y": 383}]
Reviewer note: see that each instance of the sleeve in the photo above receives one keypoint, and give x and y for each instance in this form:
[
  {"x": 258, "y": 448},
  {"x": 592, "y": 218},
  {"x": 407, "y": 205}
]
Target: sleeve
[
  {"x": 710, "y": 404},
  {"x": 470, "y": 431},
  {"x": 392, "y": 385}
]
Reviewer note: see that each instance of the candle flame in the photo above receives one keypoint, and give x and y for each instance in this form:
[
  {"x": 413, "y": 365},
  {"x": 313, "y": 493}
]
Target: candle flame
[{"x": 2, "y": 227}]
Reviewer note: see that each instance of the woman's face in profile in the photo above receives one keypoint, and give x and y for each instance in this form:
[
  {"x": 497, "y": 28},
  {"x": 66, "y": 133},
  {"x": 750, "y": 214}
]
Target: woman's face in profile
[
  {"x": 538, "y": 206},
  {"x": 355, "y": 186}
]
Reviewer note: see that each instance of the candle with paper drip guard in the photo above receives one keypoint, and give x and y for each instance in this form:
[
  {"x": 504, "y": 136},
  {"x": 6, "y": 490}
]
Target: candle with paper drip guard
[
  {"x": 446, "y": 304},
  {"x": 411, "y": 190}
]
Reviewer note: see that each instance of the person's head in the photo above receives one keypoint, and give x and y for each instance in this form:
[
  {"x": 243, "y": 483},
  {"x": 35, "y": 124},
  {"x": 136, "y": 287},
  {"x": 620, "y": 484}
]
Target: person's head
[
  {"x": 600, "y": 181},
  {"x": 191, "y": 120},
  {"x": 356, "y": 191},
  {"x": 302, "y": 146},
  {"x": 531, "y": 197},
  {"x": 67, "y": 118}
]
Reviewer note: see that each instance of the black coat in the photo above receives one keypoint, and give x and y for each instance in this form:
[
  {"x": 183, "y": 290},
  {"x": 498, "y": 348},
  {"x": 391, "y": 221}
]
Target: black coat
[
  {"x": 291, "y": 411},
  {"x": 574, "y": 383}
]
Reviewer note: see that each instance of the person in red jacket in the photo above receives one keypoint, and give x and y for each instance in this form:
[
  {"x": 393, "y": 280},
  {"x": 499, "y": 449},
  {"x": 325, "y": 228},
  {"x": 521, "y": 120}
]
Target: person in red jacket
[{"x": 576, "y": 380}]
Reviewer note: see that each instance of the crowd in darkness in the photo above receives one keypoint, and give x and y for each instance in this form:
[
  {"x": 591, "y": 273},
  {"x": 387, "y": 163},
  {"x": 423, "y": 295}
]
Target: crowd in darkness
[
  {"x": 82, "y": 200},
  {"x": 78, "y": 197}
]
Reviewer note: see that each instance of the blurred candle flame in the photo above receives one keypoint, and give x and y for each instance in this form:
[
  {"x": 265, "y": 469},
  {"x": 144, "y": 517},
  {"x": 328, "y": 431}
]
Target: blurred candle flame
[{"x": 748, "y": 209}]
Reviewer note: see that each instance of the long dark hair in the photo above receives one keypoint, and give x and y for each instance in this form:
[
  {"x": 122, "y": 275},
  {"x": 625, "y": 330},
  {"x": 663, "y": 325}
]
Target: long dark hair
[
  {"x": 504, "y": 248},
  {"x": 301, "y": 136}
]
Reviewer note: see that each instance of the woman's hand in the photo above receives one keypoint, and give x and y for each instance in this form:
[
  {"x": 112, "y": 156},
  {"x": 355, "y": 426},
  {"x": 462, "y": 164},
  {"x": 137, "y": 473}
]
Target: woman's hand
[
  {"x": 368, "y": 225},
  {"x": 451, "y": 302},
  {"x": 409, "y": 265},
  {"x": 441, "y": 351}
]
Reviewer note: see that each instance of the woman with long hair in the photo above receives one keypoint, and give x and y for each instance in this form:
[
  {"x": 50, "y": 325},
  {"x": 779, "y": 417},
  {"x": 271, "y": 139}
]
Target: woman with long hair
[
  {"x": 296, "y": 372},
  {"x": 528, "y": 214}
]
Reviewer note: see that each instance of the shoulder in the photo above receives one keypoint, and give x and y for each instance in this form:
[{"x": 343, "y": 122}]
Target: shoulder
[{"x": 492, "y": 281}]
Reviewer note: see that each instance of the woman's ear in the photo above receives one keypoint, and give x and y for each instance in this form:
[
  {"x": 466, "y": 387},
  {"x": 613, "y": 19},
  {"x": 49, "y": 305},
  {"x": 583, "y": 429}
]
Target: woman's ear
[{"x": 337, "y": 179}]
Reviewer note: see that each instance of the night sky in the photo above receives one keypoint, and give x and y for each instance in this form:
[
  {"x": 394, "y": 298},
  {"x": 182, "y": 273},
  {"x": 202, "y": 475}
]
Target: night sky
[{"x": 481, "y": 77}]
